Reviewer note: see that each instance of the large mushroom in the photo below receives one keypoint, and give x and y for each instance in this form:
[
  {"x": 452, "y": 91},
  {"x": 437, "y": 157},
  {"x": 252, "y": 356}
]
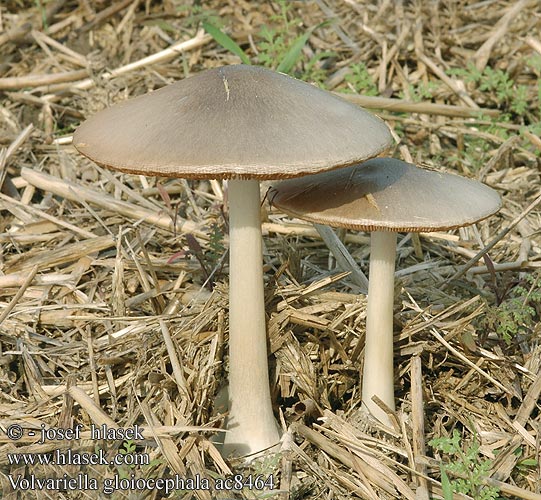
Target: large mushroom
[
  {"x": 384, "y": 196},
  {"x": 242, "y": 123}
]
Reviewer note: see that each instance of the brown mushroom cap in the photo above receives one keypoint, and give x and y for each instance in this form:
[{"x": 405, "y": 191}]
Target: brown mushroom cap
[
  {"x": 385, "y": 194},
  {"x": 232, "y": 122}
]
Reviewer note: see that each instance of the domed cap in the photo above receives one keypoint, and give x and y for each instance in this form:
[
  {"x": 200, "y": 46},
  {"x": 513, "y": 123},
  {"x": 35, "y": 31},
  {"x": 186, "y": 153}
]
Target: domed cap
[
  {"x": 234, "y": 121},
  {"x": 385, "y": 194}
]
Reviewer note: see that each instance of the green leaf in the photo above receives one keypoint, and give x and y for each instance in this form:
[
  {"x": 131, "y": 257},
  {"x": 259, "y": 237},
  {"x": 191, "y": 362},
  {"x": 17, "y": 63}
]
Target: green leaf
[
  {"x": 294, "y": 52},
  {"x": 226, "y": 42},
  {"x": 446, "y": 486},
  {"x": 528, "y": 462}
]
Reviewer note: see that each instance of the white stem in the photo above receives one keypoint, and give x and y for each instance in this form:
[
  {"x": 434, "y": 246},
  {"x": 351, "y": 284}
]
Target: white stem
[
  {"x": 378, "y": 376},
  {"x": 251, "y": 424}
]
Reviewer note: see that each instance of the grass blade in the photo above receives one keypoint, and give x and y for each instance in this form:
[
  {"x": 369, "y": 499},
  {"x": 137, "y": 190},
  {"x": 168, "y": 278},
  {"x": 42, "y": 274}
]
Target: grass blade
[
  {"x": 294, "y": 52},
  {"x": 226, "y": 42}
]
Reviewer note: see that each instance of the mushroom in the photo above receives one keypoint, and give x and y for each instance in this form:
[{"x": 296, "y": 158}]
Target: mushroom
[
  {"x": 245, "y": 124},
  {"x": 384, "y": 196}
]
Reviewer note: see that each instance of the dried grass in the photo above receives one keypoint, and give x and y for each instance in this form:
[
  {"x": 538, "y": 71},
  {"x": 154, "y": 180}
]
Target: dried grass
[{"x": 104, "y": 312}]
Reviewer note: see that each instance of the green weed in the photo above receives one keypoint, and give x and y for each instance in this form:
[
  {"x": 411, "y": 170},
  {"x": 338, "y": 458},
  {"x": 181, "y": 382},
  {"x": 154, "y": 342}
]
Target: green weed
[
  {"x": 534, "y": 63},
  {"x": 128, "y": 448},
  {"x": 259, "y": 481},
  {"x": 518, "y": 309},
  {"x": 420, "y": 92},
  {"x": 216, "y": 246},
  {"x": 509, "y": 95},
  {"x": 211, "y": 259},
  {"x": 475, "y": 154},
  {"x": 527, "y": 464},
  {"x": 467, "y": 464},
  {"x": 197, "y": 15},
  {"x": 276, "y": 39},
  {"x": 315, "y": 71},
  {"x": 43, "y": 13},
  {"x": 278, "y": 44},
  {"x": 360, "y": 81}
]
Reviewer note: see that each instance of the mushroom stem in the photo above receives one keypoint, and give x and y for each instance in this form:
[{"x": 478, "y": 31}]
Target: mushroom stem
[
  {"x": 251, "y": 424},
  {"x": 378, "y": 352}
]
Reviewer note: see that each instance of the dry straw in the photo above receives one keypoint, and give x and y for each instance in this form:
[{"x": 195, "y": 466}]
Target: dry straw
[{"x": 93, "y": 274}]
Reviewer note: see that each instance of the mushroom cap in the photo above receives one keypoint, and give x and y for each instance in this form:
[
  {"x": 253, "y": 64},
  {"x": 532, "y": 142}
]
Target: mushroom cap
[
  {"x": 232, "y": 122},
  {"x": 385, "y": 194}
]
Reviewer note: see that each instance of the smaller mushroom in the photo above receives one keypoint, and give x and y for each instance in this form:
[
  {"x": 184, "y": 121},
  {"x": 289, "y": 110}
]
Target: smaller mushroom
[{"x": 384, "y": 196}]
